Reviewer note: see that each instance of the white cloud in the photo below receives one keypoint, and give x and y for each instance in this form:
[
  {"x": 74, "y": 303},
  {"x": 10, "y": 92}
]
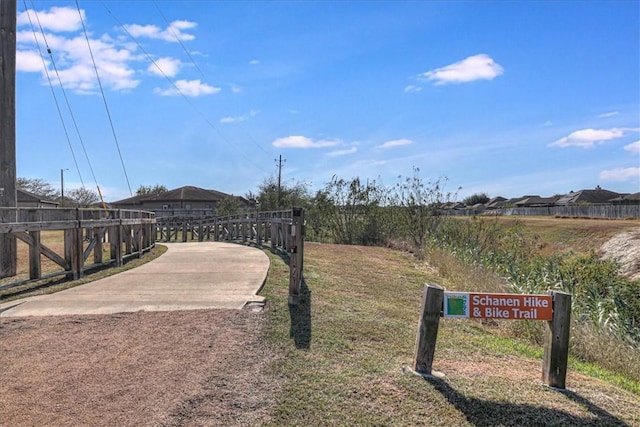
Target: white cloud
[
  {"x": 254, "y": 62},
  {"x": 56, "y": 19},
  {"x": 547, "y": 124},
  {"x": 297, "y": 141},
  {"x": 476, "y": 67},
  {"x": 114, "y": 60},
  {"x": 396, "y": 143},
  {"x": 588, "y": 138},
  {"x": 173, "y": 33},
  {"x": 236, "y": 119},
  {"x": 166, "y": 66},
  {"x": 634, "y": 147},
  {"x": 339, "y": 153},
  {"x": 412, "y": 89},
  {"x": 621, "y": 174},
  {"x": 28, "y": 60},
  {"x": 191, "y": 88},
  {"x": 609, "y": 114}
]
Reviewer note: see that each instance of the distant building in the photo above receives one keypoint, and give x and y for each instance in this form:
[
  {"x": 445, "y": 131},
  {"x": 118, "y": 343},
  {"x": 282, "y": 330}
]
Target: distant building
[
  {"x": 627, "y": 199},
  {"x": 186, "y": 198},
  {"x": 30, "y": 200}
]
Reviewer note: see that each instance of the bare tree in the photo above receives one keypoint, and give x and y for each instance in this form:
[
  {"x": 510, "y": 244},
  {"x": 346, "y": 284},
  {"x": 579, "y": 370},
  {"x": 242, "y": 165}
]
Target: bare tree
[
  {"x": 39, "y": 187},
  {"x": 83, "y": 197}
]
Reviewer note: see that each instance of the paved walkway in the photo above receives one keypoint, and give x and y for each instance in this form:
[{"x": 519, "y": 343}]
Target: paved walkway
[{"x": 188, "y": 276}]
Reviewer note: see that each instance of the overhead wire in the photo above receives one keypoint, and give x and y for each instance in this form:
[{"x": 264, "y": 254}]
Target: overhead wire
[
  {"x": 177, "y": 89},
  {"x": 195, "y": 64},
  {"x": 178, "y": 39},
  {"x": 53, "y": 92},
  {"x": 104, "y": 99}
]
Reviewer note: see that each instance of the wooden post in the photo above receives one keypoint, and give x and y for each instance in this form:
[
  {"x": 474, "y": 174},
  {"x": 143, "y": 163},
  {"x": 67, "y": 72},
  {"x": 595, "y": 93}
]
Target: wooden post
[
  {"x": 430, "y": 310},
  {"x": 556, "y": 341},
  {"x": 8, "y": 197},
  {"x": 35, "y": 265},
  {"x": 98, "y": 234},
  {"x": 295, "y": 264},
  {"x": 115, "y": 238},
  {"x": 258, "y": 232},
  {"x": 274, "y": 235}
]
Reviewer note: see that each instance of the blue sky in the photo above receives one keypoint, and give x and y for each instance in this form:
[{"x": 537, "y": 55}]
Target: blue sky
[{"x": 506, "y": 98}]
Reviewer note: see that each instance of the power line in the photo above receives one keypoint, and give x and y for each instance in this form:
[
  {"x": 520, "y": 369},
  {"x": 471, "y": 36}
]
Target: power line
[
  {"x": 177, "y": 89},
  {"x": 197, "y": 67},
  {"x": 279, "y": 163},
  {"x": 104, "y": 99},
  {"x": 178, "y": 39},
  {"x": 55, "y": 98}
]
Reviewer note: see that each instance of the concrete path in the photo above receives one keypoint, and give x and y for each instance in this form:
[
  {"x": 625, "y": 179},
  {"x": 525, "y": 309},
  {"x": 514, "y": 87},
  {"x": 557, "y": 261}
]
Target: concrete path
[{"x": 188, "y": 276}]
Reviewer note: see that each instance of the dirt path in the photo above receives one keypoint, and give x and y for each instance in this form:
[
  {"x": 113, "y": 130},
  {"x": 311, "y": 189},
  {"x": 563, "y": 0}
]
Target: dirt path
[{"x": 202, "y": 367}]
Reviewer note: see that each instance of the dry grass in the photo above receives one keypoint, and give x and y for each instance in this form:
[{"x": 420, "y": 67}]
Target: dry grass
[
  {"x": 571, "y": 234},
  {"x": 342, "y": 353}
]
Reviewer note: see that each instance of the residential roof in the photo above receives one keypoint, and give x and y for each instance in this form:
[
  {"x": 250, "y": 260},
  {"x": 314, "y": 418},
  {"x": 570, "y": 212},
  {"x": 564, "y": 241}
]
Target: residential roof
[
  {"x": 25, "y": 196},
  {"x": 597, "y": 196},
  {"x": 186, "y": 194}
]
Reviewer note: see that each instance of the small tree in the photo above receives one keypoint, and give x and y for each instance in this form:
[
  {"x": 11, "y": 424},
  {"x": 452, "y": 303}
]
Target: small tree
[
  {"x": 143, "y": 190},
  {"x": 228, "y": 206},
  {"x": 475, "y": 199},
  {"x": 272, "y": 198},
  {"x": 419, "y": 203},
  {"x": 83, "y": 197}
]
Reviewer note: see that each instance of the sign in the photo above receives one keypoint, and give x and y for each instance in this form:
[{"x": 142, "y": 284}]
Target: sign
[{"x": 498, "y": 306}]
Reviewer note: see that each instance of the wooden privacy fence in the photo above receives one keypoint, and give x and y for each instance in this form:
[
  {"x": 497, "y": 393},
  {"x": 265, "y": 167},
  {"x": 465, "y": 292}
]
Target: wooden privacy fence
[
  {"x": 86, "y": 231},
  {"x": 282, "y": 230},
  {"x": 586, "y": 211}
]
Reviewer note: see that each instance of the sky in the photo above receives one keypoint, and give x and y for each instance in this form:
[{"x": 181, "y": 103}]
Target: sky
[{"x": 506, "y": 98}]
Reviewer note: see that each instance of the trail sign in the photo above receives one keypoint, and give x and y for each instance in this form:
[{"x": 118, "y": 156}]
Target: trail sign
[{"x": 497, "y": 306}]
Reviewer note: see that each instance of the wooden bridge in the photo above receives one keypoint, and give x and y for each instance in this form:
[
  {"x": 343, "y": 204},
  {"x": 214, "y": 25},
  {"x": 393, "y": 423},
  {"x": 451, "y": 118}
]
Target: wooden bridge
[{"x": 85, "y": 239}]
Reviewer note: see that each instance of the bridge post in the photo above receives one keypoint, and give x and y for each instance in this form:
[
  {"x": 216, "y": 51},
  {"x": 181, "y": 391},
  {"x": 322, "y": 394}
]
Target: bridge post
[
  {"x": 296, "y": 251},
  {"x": 35, "y": 265}
]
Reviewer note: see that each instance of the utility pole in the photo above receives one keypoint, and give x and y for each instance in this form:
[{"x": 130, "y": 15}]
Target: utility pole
[
  {"x": 62, "y": 186},
  {"x": 8, "y": 196},
  {"x": 280, "y": 178}
]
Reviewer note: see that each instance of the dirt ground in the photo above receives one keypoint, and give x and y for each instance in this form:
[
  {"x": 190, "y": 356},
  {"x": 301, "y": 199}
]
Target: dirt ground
[
  {"x": 624, "y": 248},
  {"x": 188, "y": 368}
]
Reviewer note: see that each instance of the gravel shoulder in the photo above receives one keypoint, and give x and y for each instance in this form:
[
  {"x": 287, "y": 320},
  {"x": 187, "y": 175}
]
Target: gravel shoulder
[{"x": 183, "y": 368}]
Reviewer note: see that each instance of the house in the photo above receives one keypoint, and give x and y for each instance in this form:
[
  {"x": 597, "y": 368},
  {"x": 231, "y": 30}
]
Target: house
[
  {"x": 497, "y": 202},
  {"x": 30, "y": 200},
  {"x": 627, "y": 199},
  {"x": 186, "y": 198},
  {"x": 598, "y": 196},
  {"x": 537, "y": 201}
]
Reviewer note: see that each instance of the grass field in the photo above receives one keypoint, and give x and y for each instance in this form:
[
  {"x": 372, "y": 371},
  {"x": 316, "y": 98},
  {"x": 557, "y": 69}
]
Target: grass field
[{"x": 342, "y": 351}]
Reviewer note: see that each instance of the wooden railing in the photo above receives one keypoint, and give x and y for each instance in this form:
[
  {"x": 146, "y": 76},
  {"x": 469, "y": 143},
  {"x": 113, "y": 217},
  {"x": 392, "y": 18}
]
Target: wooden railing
[
  {"x": 84, "y": 232},
  {"x": 256, "y": 227}
]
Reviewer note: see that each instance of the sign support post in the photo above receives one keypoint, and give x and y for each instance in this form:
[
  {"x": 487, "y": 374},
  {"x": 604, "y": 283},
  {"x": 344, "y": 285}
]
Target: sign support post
[
  {"x": 556, "y": 341},
  {"x": 430, "y": 310}
]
